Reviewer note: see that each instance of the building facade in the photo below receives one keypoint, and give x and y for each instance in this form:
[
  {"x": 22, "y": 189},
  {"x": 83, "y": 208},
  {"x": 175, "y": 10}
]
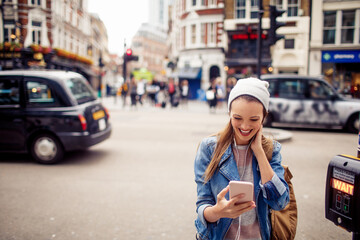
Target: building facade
[
  {"x": 218, "y": 38},
  {"x": 52, "y": 34},
  {"x": 198, "y": 42},
  {"x": 335, "y": 44},
  {"x": 288, "y": 55},
  {"x": 149, "y": 44}
]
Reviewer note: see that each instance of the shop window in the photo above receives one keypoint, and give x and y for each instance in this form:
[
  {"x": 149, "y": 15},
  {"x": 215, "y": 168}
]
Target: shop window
[
  {"x": 240, "y": 8},
  {"x": 348, "y": 26},
  {"x": 329, "y": 27},
  {"x": 289, "y": 44}
]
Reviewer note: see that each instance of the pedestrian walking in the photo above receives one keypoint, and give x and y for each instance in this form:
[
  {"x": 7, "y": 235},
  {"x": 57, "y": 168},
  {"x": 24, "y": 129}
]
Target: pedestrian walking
[
  {"x": 171, "y": 90},
  {"x": 124, "y": 91},
  {"x": 184, "y": 89},
  {"x": 133, "y": 91},
  {"x": 211, "y": 96},
  {"x": 140, "y": 90},
  {"x": 240, "y": 152}
]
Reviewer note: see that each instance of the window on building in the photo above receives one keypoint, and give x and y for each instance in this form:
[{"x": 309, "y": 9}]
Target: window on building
[
  {"x": 289, "y": 44},
  {"x": 279, "y": 4},
  {"x": 348, "y": 26},
  {"x": 183, "y": 37},
  {"x": 329, "y": 27},
  {"x": 36, "y": 2},
  {"x": 203, "y": 33},
  {"x": 203, "y": 2},
  {"x": 194, "y": 2},
  {"x": 36, "y": 32},
  {"x": 293, "y": 7},
  {"x": 9, "y": 32},
  {"x": 211, "y": 2},
  {"x": 211, "y": 38},
  {"x": 193, "y": 34},
  {"x": 254, "y": 9},
  {"x": 240, "y": 8}
]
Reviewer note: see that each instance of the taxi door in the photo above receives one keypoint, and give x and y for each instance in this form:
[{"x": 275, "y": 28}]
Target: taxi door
[{"x": 12, "y": 130}]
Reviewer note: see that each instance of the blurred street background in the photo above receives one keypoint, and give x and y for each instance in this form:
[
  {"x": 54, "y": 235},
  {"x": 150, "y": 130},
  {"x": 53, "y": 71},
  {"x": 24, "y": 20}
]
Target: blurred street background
[
  {"x": 162, "y": 56},
  {"x": 139, "y": 184}
]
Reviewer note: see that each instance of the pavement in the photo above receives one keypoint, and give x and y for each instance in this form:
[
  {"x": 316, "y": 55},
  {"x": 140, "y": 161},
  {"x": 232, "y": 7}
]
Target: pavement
[{"x": 193, "y": 106}]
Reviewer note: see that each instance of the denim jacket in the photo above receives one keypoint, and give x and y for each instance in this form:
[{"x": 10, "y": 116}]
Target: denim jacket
[{"x": 273, "y": 194}]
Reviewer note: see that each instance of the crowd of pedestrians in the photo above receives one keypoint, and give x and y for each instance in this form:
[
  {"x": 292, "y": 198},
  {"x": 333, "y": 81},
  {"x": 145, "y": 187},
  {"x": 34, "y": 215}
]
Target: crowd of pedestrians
[
  {"x": 169, "y": 92},
  {"x": 157, "y": 93}
]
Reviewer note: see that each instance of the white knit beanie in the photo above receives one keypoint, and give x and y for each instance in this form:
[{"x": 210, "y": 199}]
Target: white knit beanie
[{"x": 252, "y": 87}]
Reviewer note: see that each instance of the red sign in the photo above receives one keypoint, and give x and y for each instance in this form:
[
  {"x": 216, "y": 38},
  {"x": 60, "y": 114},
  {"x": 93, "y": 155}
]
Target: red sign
[{"x": 245, "y": 36}]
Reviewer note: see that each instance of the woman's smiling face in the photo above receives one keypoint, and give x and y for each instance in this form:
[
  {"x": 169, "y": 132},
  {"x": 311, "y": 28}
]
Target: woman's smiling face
[{"x": 246, "y": 119}]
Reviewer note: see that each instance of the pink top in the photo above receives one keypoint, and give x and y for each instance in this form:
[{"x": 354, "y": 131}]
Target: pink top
[{"x": 249, "y": 224}]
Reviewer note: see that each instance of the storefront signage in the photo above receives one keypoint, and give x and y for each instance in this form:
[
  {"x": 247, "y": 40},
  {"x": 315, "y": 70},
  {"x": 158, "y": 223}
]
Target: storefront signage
[{"x": 349, "y": 56}]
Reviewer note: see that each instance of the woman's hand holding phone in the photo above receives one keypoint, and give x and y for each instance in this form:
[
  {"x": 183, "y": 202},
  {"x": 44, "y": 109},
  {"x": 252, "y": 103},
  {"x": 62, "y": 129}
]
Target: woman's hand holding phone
[{"x": 227, "y": 208}]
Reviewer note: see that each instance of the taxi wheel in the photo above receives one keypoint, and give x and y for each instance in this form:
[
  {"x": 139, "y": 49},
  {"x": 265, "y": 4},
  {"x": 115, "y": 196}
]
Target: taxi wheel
[
  {"x": 353, "y": 123},
  {"x": 46, "y": 149}
]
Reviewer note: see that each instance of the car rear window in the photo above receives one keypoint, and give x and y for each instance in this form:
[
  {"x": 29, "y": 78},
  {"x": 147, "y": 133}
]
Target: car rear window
[{"x": 81, "y": 90}]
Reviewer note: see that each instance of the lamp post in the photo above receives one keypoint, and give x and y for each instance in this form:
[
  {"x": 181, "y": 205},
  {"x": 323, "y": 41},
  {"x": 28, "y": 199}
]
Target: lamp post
[{"x": 259, "y": 40}]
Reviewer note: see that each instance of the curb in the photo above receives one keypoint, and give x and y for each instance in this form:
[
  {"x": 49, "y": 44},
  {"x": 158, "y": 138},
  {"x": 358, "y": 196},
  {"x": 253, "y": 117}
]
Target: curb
[{"x": 277, "y": 134}]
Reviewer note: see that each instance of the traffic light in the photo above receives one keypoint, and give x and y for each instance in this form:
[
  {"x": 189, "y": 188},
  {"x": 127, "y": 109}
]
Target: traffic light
[
  {"x": 274, "y": 25},
  {"x": 129, "y": 56}
]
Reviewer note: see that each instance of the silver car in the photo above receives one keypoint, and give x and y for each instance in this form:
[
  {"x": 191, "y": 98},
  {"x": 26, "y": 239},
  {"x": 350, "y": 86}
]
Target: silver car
[{"x": 302, "y": 101}]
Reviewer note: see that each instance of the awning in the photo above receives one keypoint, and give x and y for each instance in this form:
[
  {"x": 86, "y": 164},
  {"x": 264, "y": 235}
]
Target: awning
[{"x": 189, "y": 73}]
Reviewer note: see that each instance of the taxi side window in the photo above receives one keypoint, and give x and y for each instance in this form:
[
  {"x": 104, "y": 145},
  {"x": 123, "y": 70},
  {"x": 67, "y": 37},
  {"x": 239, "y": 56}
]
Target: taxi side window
[
  {"x": 39, "y": 94},
  {"x": 291, "y": 88},
  {"x": 9, "y": 92},
  {"x": 319, "y": 90}
]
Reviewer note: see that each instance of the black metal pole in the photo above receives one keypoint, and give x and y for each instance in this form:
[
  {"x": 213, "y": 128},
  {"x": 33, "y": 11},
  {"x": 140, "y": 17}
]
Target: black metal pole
[
  {"x": 359, "y": 139},
  {"x": 259, "y": 39}
]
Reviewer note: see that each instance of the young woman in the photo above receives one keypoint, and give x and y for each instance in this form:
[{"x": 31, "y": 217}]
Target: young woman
[{"x": 240, "y": 152}]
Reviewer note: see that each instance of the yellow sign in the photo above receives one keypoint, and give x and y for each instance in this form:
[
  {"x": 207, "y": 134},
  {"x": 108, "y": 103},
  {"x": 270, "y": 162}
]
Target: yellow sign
[
  {"x": 99, "y": 114},
  {"x": 343, "y": 186}
]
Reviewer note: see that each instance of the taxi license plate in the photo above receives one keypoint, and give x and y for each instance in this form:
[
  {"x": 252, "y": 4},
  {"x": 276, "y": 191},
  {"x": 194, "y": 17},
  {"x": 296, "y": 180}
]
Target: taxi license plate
[
  {"x": 102, "y": 124},
  {"x": 99, "y": 114}
]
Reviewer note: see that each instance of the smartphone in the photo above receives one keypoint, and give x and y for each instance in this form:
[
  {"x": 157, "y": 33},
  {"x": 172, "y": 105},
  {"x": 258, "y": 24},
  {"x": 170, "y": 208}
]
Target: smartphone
[{"x": 238, "y": 187}]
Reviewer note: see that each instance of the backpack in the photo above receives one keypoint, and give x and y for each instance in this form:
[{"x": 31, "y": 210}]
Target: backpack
[{"x": 284, "y": 222}]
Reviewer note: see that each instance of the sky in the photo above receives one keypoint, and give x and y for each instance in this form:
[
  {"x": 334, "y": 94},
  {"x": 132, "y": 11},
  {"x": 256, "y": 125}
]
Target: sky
[{"x": 122, "y": 19}]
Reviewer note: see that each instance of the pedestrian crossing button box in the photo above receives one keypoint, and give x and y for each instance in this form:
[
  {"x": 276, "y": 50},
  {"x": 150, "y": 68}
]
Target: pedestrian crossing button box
[{"x": 342, "y": 195}]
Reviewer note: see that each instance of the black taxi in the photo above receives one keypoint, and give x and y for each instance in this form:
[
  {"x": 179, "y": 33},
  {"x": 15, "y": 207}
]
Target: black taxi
[{"x": 48, "y": 112}]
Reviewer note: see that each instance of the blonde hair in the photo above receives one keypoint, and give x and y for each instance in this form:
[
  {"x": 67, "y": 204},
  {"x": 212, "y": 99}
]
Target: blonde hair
[{"x": 226, "y": 137}]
